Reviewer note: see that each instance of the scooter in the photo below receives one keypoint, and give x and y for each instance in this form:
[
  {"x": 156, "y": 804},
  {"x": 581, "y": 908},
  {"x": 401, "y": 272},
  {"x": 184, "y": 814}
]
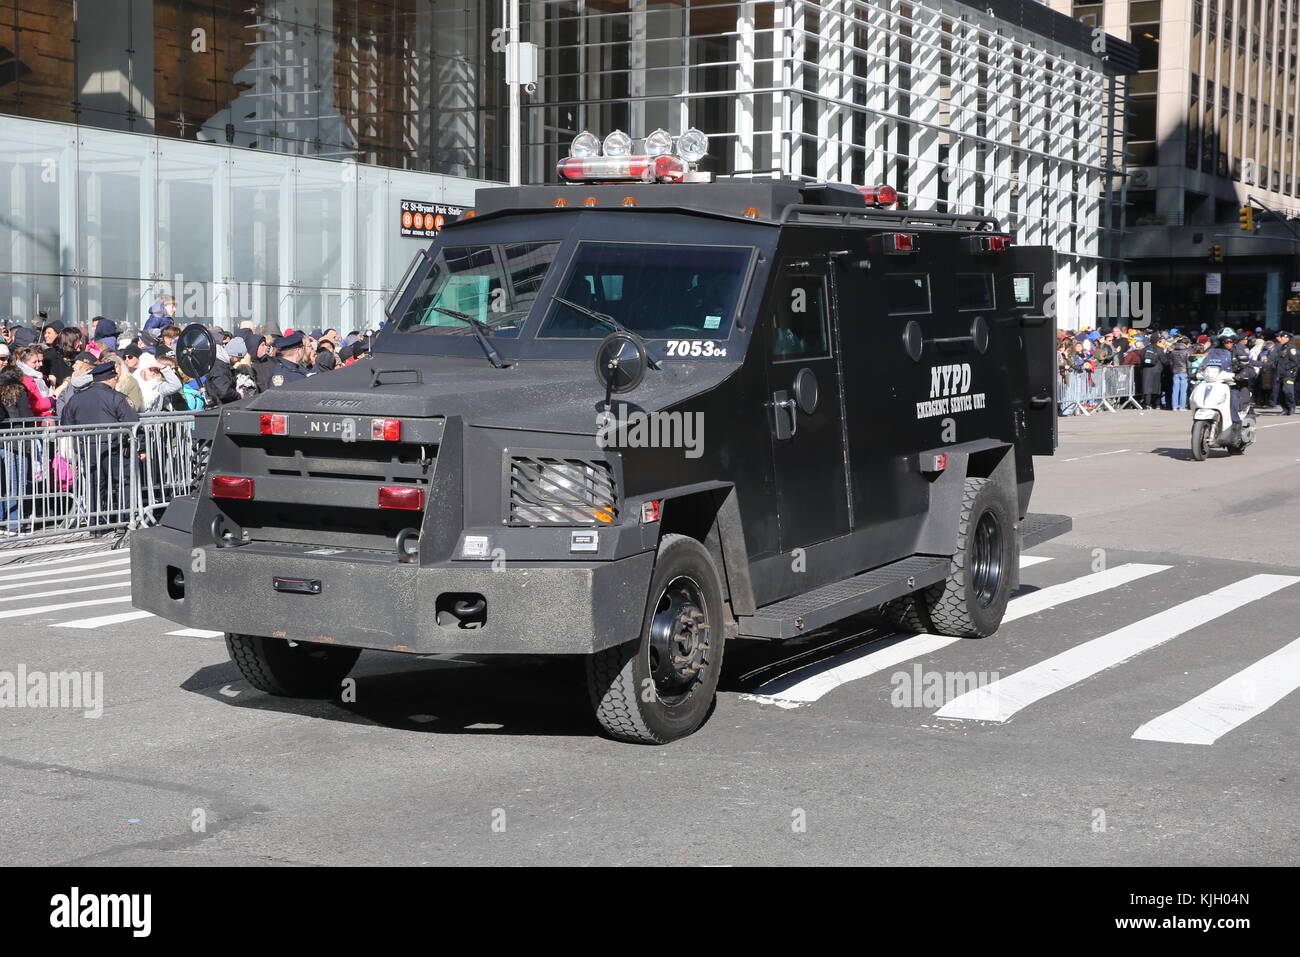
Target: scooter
[{"x": 1212, "y": 425}]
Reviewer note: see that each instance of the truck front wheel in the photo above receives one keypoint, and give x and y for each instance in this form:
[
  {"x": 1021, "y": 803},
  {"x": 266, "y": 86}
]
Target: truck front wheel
[
  {"x": 661, "y": 686},
  {"x": 298, "y": 670}
]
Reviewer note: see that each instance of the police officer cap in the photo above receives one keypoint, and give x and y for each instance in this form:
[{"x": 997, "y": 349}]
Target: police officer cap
[
  {"x": 1284, "y": 334},
  {"x": 103, "y": 371},
  {"x": 289, "y": 341}
]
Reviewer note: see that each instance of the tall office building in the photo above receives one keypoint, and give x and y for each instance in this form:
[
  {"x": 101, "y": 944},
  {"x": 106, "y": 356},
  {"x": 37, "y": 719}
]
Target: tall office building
[{"x": 1211, "y": 127}]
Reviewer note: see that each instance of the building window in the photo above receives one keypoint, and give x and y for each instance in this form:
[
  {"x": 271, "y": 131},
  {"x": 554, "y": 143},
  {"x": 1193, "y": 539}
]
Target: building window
[{"x": 1146, "y": 37}]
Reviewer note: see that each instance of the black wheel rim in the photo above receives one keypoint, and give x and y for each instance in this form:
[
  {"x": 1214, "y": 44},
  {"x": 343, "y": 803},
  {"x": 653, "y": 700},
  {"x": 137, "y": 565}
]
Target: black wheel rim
[
  {"x": 986, "y": 559},
  {"x": 678, "y": 649}
]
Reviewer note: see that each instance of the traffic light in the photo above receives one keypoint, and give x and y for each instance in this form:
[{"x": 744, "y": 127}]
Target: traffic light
[
  {"x": 1216, "y": 253},
  {"x": 1246, "y": 216}
]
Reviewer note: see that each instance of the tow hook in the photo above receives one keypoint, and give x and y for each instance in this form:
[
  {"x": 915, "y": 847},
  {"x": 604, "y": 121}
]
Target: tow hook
[{"x": 406, "y": 549}]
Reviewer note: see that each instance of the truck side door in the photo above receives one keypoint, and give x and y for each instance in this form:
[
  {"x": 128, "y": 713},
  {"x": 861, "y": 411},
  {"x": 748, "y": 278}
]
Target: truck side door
[
  {"x": 801, "y": 343},
  {"x": 1027, "y": 275}
]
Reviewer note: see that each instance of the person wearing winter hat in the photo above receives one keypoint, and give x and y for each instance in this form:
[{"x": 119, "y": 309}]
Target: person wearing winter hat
[
  {"x": 161, "y": 313},
  {"x": 106, "y": 332},
  {"x": 157, "y": 382},
  {"x": 80, "y": 378}
]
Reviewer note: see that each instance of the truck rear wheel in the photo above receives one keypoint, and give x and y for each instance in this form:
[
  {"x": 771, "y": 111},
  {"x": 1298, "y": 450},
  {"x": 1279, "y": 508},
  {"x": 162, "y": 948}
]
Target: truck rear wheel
[
  {"x": 971, "y": 601},
  {"x": 661, "y": 686},
  {"x": 300, "y": 670}
]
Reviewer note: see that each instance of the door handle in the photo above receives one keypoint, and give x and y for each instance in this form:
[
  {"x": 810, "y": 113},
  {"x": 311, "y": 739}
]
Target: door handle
[
  {"x": 1040, "y": 401},
  {"x": 781, "y": 404},
  {"x": 793, "y": 406}
]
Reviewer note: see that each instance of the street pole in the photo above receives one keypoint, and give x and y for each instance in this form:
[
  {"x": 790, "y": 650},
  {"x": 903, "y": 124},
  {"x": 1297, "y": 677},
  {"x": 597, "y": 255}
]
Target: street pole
[{"x": 512, "y": 70}]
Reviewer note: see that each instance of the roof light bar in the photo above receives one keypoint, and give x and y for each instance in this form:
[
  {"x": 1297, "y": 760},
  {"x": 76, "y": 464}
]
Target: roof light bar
[{"x": 621, "y": 169}]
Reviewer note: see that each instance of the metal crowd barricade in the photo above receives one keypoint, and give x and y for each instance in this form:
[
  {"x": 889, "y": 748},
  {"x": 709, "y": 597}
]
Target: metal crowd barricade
[
  {"x": 1105, "y": 389},
  {"x": 58, "y": 480}
]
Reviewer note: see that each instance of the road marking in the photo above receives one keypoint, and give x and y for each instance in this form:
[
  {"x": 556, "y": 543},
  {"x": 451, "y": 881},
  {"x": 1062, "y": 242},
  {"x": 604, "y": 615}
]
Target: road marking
[
  {"x": 1278, "y": 425},
  {"x": 197, "y": 633},
  {"x": 47, "y": 573},
  {"x": 813, "y": 681},
  {"x": 1053, "y": 595},
  {"x": 121, "y": 554},
  {"x": 1028, "y": 561},
  {"x": 104, "y": 620},
  {"x": 1093, "y": 455},
  {"x": 793, "y": 690},
  {"x": 1230, "y": 703},
  {"x": 75, "y": 578},
  {"x": 35, "y": 549},
  {"x": 42, "y": 609},
  {"x": 1001, "y": 699},
  {"x": 63, "y": 591}
]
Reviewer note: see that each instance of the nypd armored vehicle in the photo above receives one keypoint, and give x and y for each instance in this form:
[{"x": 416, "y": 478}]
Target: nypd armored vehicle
[{"x": 630, "y": 416}]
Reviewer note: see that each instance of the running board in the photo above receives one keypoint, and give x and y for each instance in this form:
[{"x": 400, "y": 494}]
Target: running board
[
  {"x": 828, "y": 604},
  {"x": 1037, "y": 528}
]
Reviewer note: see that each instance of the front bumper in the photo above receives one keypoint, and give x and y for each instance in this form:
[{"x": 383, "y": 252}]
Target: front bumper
[{"x": 370, "y": 600}]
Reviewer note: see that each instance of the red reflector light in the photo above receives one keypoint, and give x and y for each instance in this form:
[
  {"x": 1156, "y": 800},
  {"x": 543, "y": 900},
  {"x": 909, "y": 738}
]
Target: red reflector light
[
  {"x": 899, "y": 242},
  {"x": 999, "y": 243},
  {"x": 399, "y": 496},
  {"x": 231, "y": 486},
  {"x": 650, "y": 511},
  {"x": 940, "y": 462},
  {"x": 621, "y": 169},
  {"x": 879, "y": 195},
  {"x": 386, "y": 430},
  {"x": 273, "y": 424}
]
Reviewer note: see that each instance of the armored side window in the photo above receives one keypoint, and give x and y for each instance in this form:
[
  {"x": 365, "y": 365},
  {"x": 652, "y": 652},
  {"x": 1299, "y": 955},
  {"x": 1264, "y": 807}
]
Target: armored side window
[
  {"x": 974, "y": 291},
  {"x": 908, "y": 294},
  {"x": 799, "y": 319},
  {"x": 1022, "y": 289}
]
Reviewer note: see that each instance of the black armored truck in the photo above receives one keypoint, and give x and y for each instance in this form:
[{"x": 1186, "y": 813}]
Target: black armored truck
[{"x": 631, "y": 416}]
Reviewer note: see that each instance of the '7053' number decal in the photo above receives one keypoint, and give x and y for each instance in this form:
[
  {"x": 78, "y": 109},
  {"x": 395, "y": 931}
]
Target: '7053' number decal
[{"x": 695, "y": 348}]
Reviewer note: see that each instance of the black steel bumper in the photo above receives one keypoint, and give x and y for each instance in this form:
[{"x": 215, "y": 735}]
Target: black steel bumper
[{"x": 370, "y": 600}]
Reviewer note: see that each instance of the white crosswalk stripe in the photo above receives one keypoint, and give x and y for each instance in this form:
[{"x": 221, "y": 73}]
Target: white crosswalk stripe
[
  {"x": 19, "y": 586},
  {"x": 1229, "y": 704},
  {"x": 103, "y": 620},
  {"x": 1000, "y": 700},
  {"x": 196, "y": 633},
  {"x": 28, "y": 596},
  {"x": 58, "y": 574},
  {"x": 44, "y": 609},
  {"x": 808, "y": 685}
]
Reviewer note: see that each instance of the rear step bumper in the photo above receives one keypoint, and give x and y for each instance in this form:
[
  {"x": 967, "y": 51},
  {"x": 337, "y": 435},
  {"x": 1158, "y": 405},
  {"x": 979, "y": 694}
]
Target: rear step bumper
[
  {"x": 370, "y": 600},
  {"x": 828, "y": 604},
  {"x": 1037, "y": 528}
]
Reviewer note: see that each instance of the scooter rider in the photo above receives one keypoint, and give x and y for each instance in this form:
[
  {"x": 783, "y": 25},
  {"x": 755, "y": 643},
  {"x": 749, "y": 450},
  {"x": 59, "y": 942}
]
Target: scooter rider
[{"x": 1222, "y": 355}]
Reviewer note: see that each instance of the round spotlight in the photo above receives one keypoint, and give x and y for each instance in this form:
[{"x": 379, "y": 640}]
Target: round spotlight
[
  {"x": 617, "y": 143},
  {"x": 659, "y": 143},
  {"x": 692, "y": 145},
  {"x": 584, "y": 144}
]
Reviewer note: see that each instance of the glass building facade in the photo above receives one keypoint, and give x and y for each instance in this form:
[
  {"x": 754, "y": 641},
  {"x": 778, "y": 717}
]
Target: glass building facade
[{"x": 268, "y": 143}]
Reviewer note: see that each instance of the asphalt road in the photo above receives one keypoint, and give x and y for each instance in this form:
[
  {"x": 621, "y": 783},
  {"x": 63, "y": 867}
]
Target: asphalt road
[{"x": 1065, "y": 738}]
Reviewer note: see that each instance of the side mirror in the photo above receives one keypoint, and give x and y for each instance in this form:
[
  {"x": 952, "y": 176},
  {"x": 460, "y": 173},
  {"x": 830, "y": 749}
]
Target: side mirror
[
  {"x": 620, "y": 363},
  {"x": 196, "y": 351}
]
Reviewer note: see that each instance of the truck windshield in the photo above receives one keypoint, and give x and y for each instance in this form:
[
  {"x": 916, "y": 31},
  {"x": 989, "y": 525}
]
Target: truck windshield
[
  {"x": 657, "y": 290},
  {"x": 494, "y": 284}
]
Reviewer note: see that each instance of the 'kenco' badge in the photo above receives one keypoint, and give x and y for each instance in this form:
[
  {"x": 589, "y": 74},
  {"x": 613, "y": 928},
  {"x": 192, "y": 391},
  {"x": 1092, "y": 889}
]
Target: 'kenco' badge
[{"x": 584, "y": 540}]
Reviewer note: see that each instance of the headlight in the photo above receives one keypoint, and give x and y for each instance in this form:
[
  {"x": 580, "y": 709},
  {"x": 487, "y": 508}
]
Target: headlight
[{"x": 555, "y": 491}]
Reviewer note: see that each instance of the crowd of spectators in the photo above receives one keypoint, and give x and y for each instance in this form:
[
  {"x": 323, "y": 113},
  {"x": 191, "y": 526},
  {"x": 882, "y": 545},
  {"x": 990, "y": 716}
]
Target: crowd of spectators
[
  {"x": 44, "y": 364},
  {"x": 1164, "y": 361}
]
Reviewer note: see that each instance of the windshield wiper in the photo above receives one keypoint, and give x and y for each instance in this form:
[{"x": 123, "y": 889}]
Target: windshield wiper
[
  {"x": 478, "y": 329},
  {"x": 613, "y": 324}
]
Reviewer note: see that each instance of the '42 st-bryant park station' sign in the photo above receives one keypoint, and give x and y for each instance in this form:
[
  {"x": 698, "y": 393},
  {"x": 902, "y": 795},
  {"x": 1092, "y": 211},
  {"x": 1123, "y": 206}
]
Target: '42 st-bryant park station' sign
[{"x": 425, "y": 220}]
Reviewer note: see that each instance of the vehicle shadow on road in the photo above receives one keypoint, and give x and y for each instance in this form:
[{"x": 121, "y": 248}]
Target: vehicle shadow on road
[
  {"x": 1183, "y": 454},
  {"x": 542, "y": 696}
]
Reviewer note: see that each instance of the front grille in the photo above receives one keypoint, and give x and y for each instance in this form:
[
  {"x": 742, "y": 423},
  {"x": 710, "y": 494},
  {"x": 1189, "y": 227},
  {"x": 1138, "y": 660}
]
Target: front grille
[{"x": 561, "y": 491}]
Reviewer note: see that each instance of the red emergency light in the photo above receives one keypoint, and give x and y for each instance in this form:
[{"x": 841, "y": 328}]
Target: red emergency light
[
  {"x": 898, "y": 244},
  {"x": 386, "y": 430},
  {"x": 401, "y": 496},
  {"x": 232, "y": 486},
  {"x": 621, "y": 169},
  {"x": 273, "y": 424},
  {"x": 879, "y": 195},
  {"x": 990, "y": 244}
]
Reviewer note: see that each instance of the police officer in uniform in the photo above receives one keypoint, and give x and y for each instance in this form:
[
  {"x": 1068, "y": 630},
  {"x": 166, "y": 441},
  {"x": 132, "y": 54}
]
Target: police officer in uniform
[
  {"x": 101, "y": 404},
  {"x": 1288, "y": 367},
  {"x": 287, "y": 365}
]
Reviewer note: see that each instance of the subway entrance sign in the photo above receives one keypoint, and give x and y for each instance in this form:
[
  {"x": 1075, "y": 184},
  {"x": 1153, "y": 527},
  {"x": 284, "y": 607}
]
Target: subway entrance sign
[{"x": 420, "y": 220}]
